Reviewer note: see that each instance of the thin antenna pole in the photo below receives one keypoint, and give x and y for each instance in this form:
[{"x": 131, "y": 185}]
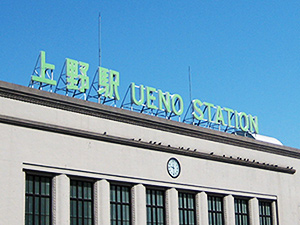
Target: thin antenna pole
[
  {"x": 99, "y": 48},
  {"x": 190, "y": 84},
  {"x": 99, "y": 38}
]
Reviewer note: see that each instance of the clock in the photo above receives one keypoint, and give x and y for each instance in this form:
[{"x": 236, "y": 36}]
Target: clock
[{"x": 173, "y": 167}]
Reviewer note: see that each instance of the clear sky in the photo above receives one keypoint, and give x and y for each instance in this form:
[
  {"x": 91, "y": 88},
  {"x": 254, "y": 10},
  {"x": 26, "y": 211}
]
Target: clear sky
[{"x": 244, "y": 55}]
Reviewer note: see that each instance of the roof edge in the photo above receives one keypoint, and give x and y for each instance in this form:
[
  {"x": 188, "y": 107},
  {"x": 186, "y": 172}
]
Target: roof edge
[{"x": 53, "y": 100}]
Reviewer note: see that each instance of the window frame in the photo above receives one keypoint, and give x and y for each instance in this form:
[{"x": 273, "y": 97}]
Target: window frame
[
  {"x": 184, "y": 209},
  {"x": 215, "y": 213},
  {"x": 38, "y": 196},
  {"x": 83, "y": 180},
  {"x": 121, "y": 204},
  {"x": 242, "y": 214},
  {"x": 156, "y": 207},
  {"x": 263, "y": 217}
]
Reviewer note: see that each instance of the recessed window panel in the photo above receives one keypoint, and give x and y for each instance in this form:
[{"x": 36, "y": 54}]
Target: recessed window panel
[
  {"x": 120, "y": 207},
  {"x": 81, "y": 202},
  {"x": 265, "y": 212},
  {"x": 187, "y": 209},
  {"x": 37, "y": 200},
  {"x": 155, "y": 207},
  {"x": 215, "y": 210},
  {"x": 241, "y": 211}
]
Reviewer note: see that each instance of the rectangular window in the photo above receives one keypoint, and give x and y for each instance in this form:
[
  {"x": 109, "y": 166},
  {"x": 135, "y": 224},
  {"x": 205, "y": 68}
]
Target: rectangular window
[
  {"x": 120, "y": 206},
  {"x": 37, "y": 200},
  {"x": 265, "y": 213},
  {"x": 215, "y": 210},
  {"x": 241, "y": 211},
  {"x": 81, "y": 202},
  {"x": 187, "y": 209},
  {"x": 155, "y": 207}
]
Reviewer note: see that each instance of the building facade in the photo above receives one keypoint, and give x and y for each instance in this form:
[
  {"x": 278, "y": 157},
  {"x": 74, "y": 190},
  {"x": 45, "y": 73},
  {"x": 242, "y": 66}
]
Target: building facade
[{"x": 69, "y": 161}]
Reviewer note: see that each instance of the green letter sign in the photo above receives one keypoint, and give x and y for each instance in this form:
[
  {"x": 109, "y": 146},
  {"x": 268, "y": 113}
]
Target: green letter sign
[
  {"x": 43, "y": 69},
  {"x": 108, "y": 83}
]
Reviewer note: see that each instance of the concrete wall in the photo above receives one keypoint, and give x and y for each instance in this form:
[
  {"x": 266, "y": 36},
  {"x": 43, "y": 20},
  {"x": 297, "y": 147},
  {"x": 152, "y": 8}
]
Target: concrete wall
[{"x": 26, "y": 148}]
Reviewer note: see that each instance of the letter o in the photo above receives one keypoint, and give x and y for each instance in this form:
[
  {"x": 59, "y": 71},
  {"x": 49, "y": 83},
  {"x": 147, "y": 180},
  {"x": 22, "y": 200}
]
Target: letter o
[
  {"x": 246, "y": 121},
  {"x": 175, "y": 98}
]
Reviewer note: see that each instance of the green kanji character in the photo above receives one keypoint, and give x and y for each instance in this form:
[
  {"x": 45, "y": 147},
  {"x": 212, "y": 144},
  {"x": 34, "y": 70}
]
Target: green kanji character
[
  {"x": 43, "y": 68},
  {"x": 84, "y": 79},
  {"x": 103, "y": 81},
  {"x": 109, "y": 83},
  {"x": 72, "y": 74},
  {"x": 114, "y": 84},
  {"x": 73, "y": 78}
]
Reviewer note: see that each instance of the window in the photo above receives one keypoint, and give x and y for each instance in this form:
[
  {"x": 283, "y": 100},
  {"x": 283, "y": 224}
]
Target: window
[
  {"x": 241, "y": 211},
  {"x": 187, "y": 209},
  {"x": 215, "y": 210},
  {"x": 265, "y": 213},
  {"x": 155, "y": 207},
  {"x": 120, "y": 205},
  {"x": 81, "y": 200},
  {"x": 37, "y": 200}
]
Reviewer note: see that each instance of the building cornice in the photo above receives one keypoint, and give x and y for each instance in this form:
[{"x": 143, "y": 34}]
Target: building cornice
[
  {"x": 53, "y": 100},
  {"x": 142, "y": 144}
]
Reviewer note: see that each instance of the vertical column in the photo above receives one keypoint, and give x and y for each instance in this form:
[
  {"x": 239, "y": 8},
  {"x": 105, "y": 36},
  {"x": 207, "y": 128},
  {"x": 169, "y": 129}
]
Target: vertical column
[
  {"x": 202, "y": 208},
  {"x": 102, "y": 202},
  {"x": 61, "y": 200},
  {"x": 254, "y": 211},
  {"x": 172, "y": 215},
  {"x": 139, "y": 216},
  {"x": 229, "y": 214},
  {"x": 274, "y": 212},
  {"x": 24, "y": 199}
]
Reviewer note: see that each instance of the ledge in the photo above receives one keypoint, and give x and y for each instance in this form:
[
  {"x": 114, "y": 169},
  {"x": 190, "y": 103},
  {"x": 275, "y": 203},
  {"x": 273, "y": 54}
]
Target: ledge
[
  {"x": 141, "y": 144},
  {"x": 34, "y": 96}
]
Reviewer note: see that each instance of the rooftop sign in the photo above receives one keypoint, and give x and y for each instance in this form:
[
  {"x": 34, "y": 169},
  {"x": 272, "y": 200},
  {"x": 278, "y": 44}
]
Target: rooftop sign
[{"x": 74, "y": 81}]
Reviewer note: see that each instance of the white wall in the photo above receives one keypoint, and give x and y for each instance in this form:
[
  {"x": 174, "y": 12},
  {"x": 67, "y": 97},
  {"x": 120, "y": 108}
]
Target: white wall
[{"x": 24, "y": 148}]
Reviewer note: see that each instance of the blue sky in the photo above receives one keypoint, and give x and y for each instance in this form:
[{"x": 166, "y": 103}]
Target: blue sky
[{"x": 244, "y": 55}]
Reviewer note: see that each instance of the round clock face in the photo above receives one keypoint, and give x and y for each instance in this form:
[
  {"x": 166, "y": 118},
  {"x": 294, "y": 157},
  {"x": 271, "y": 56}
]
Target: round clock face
[{"x": 173, "y": 167}]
